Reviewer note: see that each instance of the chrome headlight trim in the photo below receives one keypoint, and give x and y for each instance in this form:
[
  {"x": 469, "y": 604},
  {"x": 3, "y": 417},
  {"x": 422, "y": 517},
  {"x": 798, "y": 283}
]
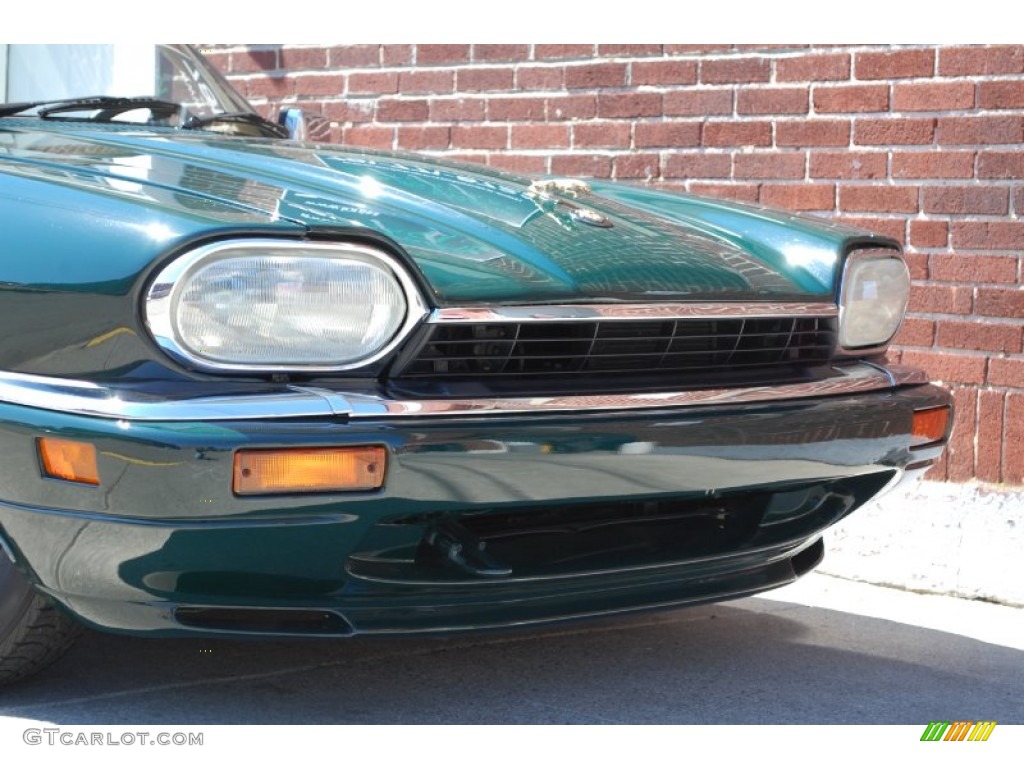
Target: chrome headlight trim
[
  {"x": 853, "y": 259},
  {"x": 158, "y": 307}
]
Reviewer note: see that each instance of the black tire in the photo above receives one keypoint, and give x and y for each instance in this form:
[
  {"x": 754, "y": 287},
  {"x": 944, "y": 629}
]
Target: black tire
[{"x": 33, "y": 632}]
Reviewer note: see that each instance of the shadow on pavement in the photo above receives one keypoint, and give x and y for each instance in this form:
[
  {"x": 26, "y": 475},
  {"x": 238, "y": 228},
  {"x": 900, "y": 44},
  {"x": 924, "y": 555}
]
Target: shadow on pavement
[{"x": 751, "y": 661}]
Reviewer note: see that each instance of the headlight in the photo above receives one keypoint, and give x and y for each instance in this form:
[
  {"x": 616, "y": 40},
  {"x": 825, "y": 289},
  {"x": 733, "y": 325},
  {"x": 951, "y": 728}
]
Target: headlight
[
  {"x": 873, "y": 299},
  {"x": 274, "y": 305}
]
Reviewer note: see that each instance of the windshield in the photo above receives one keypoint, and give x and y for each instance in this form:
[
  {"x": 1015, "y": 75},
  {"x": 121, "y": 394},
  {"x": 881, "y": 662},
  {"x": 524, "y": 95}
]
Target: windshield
[{"x": 172, "y": 73}]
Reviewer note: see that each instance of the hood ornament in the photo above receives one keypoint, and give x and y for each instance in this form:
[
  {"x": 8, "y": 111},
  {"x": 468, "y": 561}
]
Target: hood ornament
[
  {"x": 550, "y": 187},
  {"x": 549, "y": 195}
]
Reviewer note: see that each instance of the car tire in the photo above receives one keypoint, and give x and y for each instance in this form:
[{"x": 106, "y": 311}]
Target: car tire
[{"x": 33, "y": 632}]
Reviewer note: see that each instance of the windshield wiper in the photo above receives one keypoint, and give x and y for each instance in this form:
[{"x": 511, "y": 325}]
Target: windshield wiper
[
  {"x": 107, "y": 106},
  {"x": 246, "y": 118}
]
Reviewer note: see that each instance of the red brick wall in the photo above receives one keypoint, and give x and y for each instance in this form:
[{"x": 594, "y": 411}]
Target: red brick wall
[{"x": 924, "y": 143}]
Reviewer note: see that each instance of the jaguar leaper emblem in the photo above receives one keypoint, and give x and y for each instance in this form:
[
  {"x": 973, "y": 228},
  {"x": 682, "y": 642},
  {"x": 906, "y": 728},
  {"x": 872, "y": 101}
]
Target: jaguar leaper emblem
[
  {"x": 570, "y": 187},
  {"x": 550, "y": 195}
]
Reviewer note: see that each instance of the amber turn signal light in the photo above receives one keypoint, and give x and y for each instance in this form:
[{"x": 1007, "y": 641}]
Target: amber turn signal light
[
  {"x": 309, "y": 470},
  {"x": 69, "y": 460},
  {"x": 930, "y": 425}
]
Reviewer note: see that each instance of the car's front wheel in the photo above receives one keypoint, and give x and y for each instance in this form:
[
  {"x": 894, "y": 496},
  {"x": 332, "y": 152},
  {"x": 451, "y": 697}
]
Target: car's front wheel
[{"x": 33, "y": 633}]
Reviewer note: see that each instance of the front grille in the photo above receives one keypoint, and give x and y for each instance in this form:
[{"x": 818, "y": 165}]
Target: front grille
[{"x": 461, "y": 351}]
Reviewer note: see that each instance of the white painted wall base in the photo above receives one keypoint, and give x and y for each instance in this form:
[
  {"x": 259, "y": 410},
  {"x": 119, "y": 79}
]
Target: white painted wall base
[{"x": 945, "y": 538}]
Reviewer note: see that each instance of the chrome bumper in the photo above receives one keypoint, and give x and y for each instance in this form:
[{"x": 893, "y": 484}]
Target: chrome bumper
[{"x": 85, "y": 398}]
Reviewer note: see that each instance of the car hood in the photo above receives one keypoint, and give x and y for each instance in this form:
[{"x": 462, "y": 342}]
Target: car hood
[{"x": 473, "y": 233}]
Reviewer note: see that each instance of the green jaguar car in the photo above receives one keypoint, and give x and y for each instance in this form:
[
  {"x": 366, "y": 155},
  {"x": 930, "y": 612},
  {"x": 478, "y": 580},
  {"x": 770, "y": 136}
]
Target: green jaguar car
[{"x": 257, "y": 385}]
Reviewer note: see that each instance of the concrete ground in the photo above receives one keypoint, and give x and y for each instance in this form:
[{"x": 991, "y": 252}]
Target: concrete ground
[
  {"x": 948, "y": 538},
  {"x": 824, "y": 650}
]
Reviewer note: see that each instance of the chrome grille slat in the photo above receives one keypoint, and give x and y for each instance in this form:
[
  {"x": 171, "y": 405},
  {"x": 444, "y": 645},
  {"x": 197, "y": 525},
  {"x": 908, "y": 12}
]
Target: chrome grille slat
[
  {"x": 613, "y": 355},
  {"x": 554, "y": 340}
]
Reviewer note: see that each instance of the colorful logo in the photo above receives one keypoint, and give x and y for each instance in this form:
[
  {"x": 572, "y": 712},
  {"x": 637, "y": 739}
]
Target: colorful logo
[{"x": 959, "y": 730}]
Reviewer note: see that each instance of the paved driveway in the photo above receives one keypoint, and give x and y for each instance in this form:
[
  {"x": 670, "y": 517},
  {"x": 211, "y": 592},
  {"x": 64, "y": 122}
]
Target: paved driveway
[{"x": 821, "y": 651}]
